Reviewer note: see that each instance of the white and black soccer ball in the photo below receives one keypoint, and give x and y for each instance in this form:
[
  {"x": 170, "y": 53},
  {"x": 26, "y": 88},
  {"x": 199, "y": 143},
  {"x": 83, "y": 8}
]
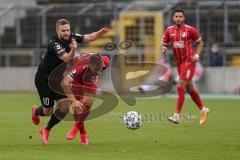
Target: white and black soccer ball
[{"x": 132, "y": 120}]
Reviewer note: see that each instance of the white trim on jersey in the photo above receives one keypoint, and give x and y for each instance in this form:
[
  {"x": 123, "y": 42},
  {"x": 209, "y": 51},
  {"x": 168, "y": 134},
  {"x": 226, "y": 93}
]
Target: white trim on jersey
[
  {"x": 170, "y": 27},
  {"x": 199, "y": 39},
  {"x": 181, "y": 49},
  {"x": 69, "y": 76},
  {"x": 177, "y": 56},
  {"x": 188, "y": 26}
]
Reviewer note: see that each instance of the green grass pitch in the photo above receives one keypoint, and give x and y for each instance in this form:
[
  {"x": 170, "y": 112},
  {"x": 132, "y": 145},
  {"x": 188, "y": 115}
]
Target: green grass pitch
[{"x": 218, "y": 139}]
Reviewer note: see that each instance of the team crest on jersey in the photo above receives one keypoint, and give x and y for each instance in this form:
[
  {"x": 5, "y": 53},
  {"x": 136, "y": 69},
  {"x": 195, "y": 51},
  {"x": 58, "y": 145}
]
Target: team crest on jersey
[
  {"x": 73, "y": 73},
  {"x": 184, "y": 34}
]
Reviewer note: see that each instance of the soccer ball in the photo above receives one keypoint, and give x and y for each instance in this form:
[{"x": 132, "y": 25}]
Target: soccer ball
[{"x": 132, "y": 120}]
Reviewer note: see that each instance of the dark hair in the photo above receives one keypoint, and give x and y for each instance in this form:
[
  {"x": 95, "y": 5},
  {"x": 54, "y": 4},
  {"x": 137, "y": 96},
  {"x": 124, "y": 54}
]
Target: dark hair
[
  {"x": 178, "y": 10},
  {"x": 96, "y": 59},
  {"x": 62, "y": 22}
]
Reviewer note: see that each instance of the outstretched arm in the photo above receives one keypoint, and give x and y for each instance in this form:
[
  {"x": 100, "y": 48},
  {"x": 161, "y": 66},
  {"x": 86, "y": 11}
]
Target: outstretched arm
[{"x": 95, "y": 35}]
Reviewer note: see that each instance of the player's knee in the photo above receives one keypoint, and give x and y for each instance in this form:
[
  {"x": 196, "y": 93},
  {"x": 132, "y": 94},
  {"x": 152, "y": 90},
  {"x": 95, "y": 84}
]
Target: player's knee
[{"x": 181, "y": 86}]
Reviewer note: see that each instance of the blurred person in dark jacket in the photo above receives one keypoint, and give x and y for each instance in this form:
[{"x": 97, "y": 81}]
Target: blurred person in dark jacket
[{"x": 215, "y": 57}]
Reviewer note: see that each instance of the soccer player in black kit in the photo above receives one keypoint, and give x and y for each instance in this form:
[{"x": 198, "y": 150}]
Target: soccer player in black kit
[{"x": 61, "y": 49}]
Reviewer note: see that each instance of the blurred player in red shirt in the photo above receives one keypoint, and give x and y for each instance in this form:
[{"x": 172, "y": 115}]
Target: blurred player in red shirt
[
  {"x": 181, "y": 36},
  {"x": 80, "y": 86}
]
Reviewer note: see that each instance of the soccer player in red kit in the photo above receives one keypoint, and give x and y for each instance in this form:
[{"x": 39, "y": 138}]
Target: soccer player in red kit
[
  {"x": 80, "y": 86},
  {"x": 181, "y": 36}
]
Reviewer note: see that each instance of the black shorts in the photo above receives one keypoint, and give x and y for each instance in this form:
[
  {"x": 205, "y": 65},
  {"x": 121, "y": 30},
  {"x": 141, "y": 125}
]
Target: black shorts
[{"x": 47, "y": 95}]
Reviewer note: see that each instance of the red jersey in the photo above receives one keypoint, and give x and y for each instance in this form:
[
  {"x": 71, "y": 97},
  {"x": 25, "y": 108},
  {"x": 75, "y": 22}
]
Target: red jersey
[
  {"x": 181, "y": 40},
  {"x": 83, "y": 78}
]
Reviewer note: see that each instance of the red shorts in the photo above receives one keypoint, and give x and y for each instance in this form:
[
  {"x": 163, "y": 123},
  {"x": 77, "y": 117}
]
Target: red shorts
[{"x": 186, "y": 71}]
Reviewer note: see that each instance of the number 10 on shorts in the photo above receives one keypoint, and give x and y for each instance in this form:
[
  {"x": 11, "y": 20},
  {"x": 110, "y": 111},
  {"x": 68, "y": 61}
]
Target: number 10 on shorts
[{"x": 46, "y": 101}]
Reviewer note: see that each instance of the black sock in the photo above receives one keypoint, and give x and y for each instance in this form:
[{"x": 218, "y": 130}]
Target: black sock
[
  {"x": 56, "y": 117},
  {"x": 39, "y": 111}
]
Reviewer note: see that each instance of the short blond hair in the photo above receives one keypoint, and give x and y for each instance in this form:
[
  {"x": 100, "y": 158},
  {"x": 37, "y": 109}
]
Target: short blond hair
[{"x": 61, "y": 22}]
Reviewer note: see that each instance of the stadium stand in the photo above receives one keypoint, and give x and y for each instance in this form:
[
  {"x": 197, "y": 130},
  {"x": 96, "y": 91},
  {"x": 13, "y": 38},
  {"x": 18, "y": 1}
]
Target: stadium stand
[
  {"x": 95, "y": 17},
  {"x": 36, "y": 25}
]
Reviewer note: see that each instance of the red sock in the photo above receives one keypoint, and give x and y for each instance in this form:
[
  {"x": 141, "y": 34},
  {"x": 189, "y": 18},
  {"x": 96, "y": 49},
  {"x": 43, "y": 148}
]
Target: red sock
[
  {"x": 81, "y": 127},
  {"x": 196, "y": 98},
  {"x": 181, "y": 97},
  {"x": 77, "y": 114},
  {"x": 76, "y": 124}
]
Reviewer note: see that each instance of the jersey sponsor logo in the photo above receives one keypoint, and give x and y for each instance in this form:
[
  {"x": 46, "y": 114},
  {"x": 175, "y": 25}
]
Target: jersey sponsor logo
[
  {"x": 178, "y": 44},
  {"x": 60, "y": 51},
  {"x": 58, "y": 46}
]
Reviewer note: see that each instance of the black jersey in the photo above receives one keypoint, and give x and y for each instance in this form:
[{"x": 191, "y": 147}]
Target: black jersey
[{"x": 50, "y": 59}]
